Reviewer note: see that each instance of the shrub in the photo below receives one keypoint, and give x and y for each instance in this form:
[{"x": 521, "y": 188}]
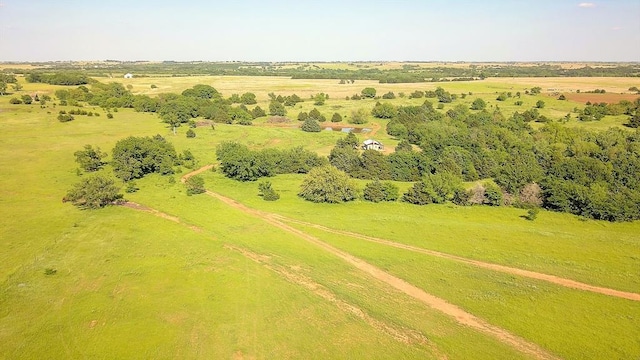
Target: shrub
[
  {"x": 336, "y": 118},
  {"x": 94, "y": 192},
  {"x": 418, "y": 194},
  {"x": 478, "y": 104},
  {"x": 15, "y": 101},
  {"x": 191, "y": 133},
  {"x": 532, "y": 214},
  {"x": 65, "y": 117},
  {"x": 377, "y": 191},
  {"x": 90, "y": 159},
  {"x": 368, "y": 92},
  {"x": 358, "y": 116},
  {"x": 492, "y": 195},
  {"x": 327, "y": 184},
  {"x": 267, "y": 192},
  {"x": 302, "y": 116},
  {"x": 389, "y": 95},
  {"x": 195, "y": 185},
  {"x": 311, "y": 125}
]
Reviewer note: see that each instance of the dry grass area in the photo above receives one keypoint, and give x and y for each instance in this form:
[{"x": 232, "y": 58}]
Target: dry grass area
[{"x": 571, "y": 84}]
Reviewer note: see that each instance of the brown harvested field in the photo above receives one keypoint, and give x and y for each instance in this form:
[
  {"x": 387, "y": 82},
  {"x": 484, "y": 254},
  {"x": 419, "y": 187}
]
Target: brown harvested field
[
  {"x": 572, "y": 84},
  {"x": 600, "y": 98}
]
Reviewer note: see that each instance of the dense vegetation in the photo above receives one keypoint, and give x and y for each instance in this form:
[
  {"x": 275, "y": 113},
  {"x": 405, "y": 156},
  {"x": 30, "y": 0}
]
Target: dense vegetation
[{"x": 409, "y": 73}]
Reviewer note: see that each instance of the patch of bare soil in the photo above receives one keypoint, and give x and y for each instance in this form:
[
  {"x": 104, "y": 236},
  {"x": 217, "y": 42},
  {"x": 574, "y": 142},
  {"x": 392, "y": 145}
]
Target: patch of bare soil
[{"x": 501, "y": 268}]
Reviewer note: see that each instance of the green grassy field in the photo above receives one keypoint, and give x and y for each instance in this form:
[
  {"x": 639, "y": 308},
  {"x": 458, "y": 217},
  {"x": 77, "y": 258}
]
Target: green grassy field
[{"x": 225, "y": 284}]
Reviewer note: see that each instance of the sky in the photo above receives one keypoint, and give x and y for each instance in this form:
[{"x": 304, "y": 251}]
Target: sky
[{"x": 320, "y": 30}]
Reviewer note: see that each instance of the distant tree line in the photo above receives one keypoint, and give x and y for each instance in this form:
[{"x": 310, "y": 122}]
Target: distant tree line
[{"x": 407, "y": 74}]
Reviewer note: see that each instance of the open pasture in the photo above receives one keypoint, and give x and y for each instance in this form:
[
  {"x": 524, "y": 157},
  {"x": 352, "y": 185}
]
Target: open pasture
[{"x": 229, "y": 275}]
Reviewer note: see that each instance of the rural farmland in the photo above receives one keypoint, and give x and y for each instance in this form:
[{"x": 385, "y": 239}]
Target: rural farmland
[{"x": 322, "y": 180}]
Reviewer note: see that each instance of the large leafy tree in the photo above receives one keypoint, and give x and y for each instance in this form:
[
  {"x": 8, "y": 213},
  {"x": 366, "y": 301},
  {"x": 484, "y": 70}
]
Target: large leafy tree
[
  {"x": 94, "y": 192},
  {"x": 327, "y": 184},
  {"x": 134, "y": 157},
  {"x": 90, "y": 159}
]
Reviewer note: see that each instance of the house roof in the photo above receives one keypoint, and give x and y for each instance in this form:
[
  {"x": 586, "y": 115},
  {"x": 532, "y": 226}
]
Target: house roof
[{"x": 371, "y": 141}]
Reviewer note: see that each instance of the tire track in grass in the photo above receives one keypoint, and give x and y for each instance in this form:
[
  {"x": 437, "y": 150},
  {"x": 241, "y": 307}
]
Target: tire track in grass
[
  {"x": 403, "y": 335},
  {"x": 491, "y": 266},
  {"x": 501, "y": 268},
  {"x": 432, "y": 301}
]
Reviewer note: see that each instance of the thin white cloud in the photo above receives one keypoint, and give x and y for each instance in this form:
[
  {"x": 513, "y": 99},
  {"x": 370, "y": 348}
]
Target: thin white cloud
[
  {"x": 616, "y": 28},
  {"x": 586, "y": 5}
]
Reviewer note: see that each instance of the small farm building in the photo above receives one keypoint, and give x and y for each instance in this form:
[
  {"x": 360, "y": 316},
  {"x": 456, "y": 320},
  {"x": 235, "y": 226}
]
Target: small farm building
[
  {"x": 128, "y": 75},
  {"x": 372, "y": 145}
]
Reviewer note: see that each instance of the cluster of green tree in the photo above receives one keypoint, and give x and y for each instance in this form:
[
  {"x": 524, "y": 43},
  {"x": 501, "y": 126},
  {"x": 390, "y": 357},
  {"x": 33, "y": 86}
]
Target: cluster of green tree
[
  {"x": 576, "y": 175},
  {"x": 596, "y": 91},
  {"x": 173, "y": 109},
  {"x": 94, "y": 192},
  {"x": 291, "y": 100},
  {"x": 59, "y": 78},
  {"x": 7, "y": 79},
  {"x": 238, "y": 162},
  {"x": 596, "y": 111},
  {"x": 135, "y": 157},
  {"x": 410, "y": 74}
]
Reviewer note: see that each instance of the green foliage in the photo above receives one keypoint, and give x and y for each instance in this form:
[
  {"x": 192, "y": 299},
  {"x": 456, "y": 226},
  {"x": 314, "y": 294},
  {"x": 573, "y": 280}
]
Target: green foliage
[
  {"x": 390, "y": 95},
  {"x": 418, "y": 194},
  {"x": 384, "y": 110},
  {"x": 90, "y": 159},
  {"x": 540, "y": 104},
  {"x": 532, "y": 214},
  {"x": 302, "y": 116},
  {"x": 320, "y": 98},
  {"x": 240, "y": 163},
  {"x": 267, "y": 192},
  {"x": 94, "y": 192},
  {"x": 492, "y": 195},
  {"x": 535, "y": 90},
  {"x": 368, "y": 92},
  {"x": 195, "y": 185},
  {"x": 15, "y": 101},
  {"x": 443, "y": 96},
  {"x": 336, "y": 118},
  {"x": 201, "y": 91},
  {"x": 502, "y": 97},
  {"x": 377, "y": 191},
  {"x": 310, "y": 125},
  {"x": 66, "y": 117},
  {"x": 248, "y": 98},
  {"x": 358, "y": 117},
  {"x": 327, "y": 184},
  {"x": 277, "y": 109},
  {"x": 258, "y": 112},
  {"x": 27, "y": 99},
  {"x": 135, "y": 157},
  {"x": 190, "y": 133},
  {"x": 478, "y": 104},
  {"x": 59, "y": 78}
]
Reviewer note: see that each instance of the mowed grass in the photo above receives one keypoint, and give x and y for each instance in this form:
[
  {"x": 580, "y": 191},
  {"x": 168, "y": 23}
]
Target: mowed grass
[{"x": 125, "y": 277}]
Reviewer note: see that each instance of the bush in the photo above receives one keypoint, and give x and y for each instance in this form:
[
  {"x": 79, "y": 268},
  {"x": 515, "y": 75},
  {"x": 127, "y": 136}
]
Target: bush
[
  {"x": 90, "y": 159},
  {"x": 327, "y": 184},
  {"x": 94, "y": 192},
  {"x": 389, "y": 95},
  {"x": 492, "y": 195},
  {"x": 358, "y": 116},
  {"x": 15, "y": 101},
  {"x": 65, "y": 117},
  {"x": 195, "y": 185},
  {"x": 311, "y": 125},
  {"x": 377, "y": 191},
  {"x": 267, "y": 192},
  {"x": 418, "y": 194},
  {"x": 191, "y": 133},
  {"x": 532, "y": 214},
  {"x": 336, "y": 118},
  {"x": 368, "y": 92},
  {"x": 302, "y": 116},
  {"x": 478, "y": 104}
]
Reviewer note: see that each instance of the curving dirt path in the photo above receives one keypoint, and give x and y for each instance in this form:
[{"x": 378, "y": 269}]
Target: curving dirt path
[
  {"x": 432, "y": 301},
  {"x": 501, "y": 268},
  {"x": 485, "y": 265}
]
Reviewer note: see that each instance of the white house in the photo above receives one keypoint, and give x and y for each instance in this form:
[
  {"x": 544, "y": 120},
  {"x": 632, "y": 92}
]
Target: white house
[
  {"x": 371, "y": 144},
  {"x": 128, "y": 75}
]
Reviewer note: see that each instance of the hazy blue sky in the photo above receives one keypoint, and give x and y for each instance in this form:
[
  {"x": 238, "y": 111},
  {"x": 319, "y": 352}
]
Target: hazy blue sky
[{"x": 322, "y": 30}]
